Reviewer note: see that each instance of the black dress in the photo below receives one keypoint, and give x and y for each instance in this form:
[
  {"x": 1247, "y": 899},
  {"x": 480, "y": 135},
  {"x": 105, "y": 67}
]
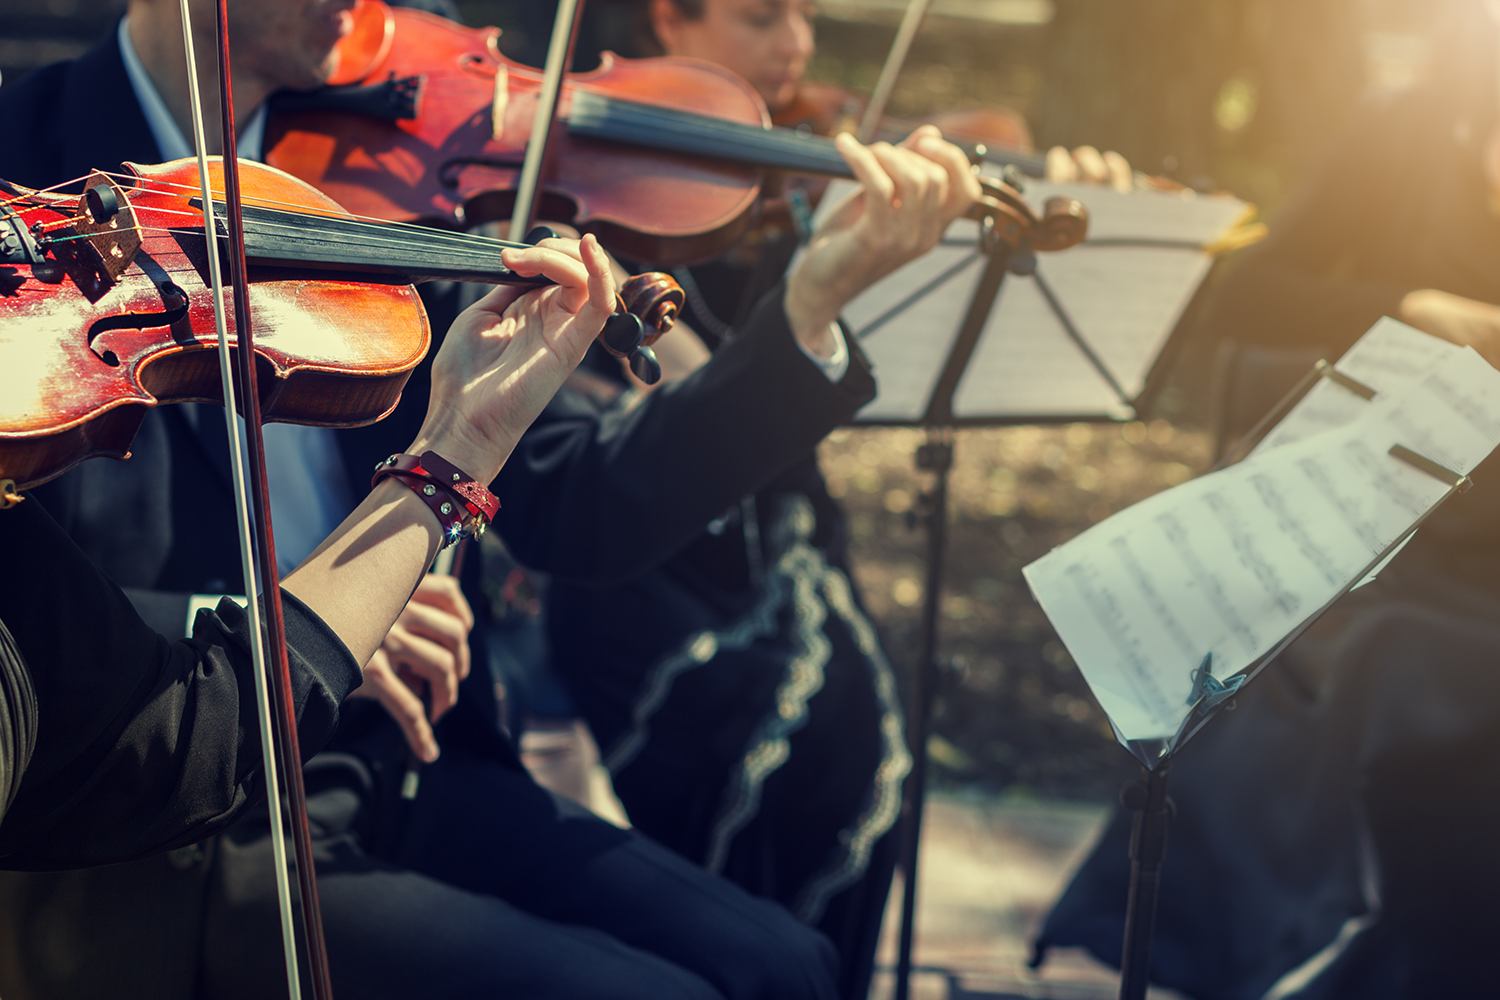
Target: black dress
[{"x": 703, "y": 615}]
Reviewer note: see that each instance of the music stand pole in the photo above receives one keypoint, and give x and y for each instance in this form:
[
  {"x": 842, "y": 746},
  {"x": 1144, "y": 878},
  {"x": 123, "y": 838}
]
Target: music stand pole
[
  {"x": 936, "y": 456},
  {"x": 1148, "y": 845}
]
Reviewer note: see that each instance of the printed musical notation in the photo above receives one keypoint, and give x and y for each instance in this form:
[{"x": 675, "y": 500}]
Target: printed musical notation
[{"x": 1232, "y": 563}]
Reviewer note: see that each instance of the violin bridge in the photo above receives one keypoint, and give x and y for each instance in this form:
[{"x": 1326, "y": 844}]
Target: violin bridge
[{"x": 107, "y": 218}]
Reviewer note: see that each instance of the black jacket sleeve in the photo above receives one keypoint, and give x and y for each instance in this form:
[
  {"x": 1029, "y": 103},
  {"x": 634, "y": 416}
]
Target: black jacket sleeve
[
  {"x": 142, "y": 745},
  {"x": 598, "y": 494}
]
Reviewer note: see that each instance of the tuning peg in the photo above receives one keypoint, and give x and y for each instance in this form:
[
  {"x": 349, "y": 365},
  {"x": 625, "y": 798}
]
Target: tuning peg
[
  {"x": 538, "y": 233},
  {"x": 645, "y": 366},
  {"x": 623, "y": 332}
]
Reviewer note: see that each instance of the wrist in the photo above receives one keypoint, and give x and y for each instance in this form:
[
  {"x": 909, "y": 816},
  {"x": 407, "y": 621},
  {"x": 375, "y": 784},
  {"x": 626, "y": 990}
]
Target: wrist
[
  {"x": 482, "y": 461},
  {"x": 812, "y": 319},
  {"x": 464, "y": 506}
]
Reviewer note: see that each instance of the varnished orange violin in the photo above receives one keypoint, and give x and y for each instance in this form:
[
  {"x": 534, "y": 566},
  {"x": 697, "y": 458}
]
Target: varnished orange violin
[
  {"x": 108, "y": 309},
  {"x": 661, "y": 158}
]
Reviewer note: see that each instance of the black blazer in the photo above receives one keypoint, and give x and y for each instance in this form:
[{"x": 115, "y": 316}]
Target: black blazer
[{"x": 142, "y": 745}]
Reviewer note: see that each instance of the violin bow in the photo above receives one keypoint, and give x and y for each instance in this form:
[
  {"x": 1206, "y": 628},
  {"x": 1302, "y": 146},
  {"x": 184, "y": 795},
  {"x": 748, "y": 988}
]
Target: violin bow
[
  {"x": 559, "y": 58},
  {"x": 278, "y": 727},
  {"x": 911, "y": 22}
]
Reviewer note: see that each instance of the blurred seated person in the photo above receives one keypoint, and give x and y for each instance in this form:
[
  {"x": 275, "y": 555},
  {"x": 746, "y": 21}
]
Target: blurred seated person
[
  {"x": 1354, "y": 782},
  {"x": 716, "y": 643}
]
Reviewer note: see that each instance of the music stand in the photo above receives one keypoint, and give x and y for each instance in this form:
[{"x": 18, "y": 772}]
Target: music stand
[
  {"x": 1127, "y": 625},
  {"x": 1079, "y": 335}
]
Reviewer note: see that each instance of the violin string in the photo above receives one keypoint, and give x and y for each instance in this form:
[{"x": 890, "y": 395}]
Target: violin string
[
  {"x": 459, "y": 239},
  {"x": 392, "y": 236},
  {"x": 642, "y": 112},
  {"x": 770, "y": 142},
  {"x": 46, "y": 190},
  {"x": 479, "y": 258}
]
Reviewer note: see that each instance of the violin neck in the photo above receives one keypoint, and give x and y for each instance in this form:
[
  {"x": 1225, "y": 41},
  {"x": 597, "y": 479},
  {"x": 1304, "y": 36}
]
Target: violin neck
[
  {"x": 594, "y": 116},
  {"x": 276, "y": 236}
]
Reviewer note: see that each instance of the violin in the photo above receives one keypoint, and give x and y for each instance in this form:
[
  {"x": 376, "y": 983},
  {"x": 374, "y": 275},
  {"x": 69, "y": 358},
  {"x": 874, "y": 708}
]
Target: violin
[
  {"x": 109, "y": 293},
  {"x": 662, "y": 159}
]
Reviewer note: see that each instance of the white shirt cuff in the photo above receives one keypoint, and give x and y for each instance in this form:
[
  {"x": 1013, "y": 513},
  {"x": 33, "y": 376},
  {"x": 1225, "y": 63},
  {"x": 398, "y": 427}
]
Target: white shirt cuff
[
  {"x": 837, "y": 366},
  {"x": 198, "y": 602}
]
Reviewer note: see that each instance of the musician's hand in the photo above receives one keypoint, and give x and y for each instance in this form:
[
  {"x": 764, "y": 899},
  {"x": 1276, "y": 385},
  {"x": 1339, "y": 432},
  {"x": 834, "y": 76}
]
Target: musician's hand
[
  {"x": 1461, "y": 321},
  {"x": 426, "y": 650},
  {"x": 908, "y": 195},
  {"x": 507, "y": 354},
  {"x": 1088, "y": 165}
]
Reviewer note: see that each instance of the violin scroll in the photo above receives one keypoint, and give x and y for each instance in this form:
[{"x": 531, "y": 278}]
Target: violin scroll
[
  {"x": 646, "y": 307},
  {"x": 1012, "y": 223},
  {"x": 1064, "y": 223},
  {"x": 656, "y": 298}
]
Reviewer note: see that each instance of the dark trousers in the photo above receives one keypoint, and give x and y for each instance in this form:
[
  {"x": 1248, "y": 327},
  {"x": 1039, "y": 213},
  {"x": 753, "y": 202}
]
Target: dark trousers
[{"x": 486, "y": 885}]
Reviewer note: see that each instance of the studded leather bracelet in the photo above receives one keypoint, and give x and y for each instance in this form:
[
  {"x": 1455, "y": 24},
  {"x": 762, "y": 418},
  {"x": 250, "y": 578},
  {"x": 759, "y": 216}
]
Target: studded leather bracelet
[{"x": 463, "y": 506}]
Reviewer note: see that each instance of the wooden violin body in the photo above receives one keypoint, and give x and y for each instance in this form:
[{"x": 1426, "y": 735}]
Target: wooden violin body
[
  {"x": 86, "y": 352},
  {"x": 455, "y": 161},
  {"x": 106, "y": 308},
  {"x": 663, "y": 159}
]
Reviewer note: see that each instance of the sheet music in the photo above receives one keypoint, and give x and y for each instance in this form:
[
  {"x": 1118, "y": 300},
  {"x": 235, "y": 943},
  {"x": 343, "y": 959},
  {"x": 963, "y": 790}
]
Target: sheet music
[
  {"x": 1123, "y": 300},
  {"x": 1388, "y": 358},
  {"x": 1178, "y": 216},
  {"x": 1233, "y": 562}
]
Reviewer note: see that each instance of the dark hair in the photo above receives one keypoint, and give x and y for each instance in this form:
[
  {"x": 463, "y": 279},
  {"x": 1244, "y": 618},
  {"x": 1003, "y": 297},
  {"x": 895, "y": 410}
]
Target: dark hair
[{"x": 647, "y": 44}]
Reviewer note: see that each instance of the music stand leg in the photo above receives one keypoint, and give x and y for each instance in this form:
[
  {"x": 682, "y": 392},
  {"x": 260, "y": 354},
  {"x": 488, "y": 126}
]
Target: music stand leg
[
  {"x": 1148, "y": 845},
  {"x": 935, "y": 456}
]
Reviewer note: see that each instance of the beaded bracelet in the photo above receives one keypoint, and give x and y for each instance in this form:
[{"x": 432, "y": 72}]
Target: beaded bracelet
[{"x": 463, "y": 507}]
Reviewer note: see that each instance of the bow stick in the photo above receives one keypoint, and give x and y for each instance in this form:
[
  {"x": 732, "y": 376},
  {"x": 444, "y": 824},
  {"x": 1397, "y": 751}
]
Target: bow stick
[
  {"x": 911, "y": 21},
  {"x": 279, "y": 727},
  {"x": 559, "y": 58}
]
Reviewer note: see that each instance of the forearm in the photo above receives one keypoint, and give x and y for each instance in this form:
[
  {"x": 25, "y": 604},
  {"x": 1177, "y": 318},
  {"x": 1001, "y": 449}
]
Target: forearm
[{"x": 362, "y": 575}]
